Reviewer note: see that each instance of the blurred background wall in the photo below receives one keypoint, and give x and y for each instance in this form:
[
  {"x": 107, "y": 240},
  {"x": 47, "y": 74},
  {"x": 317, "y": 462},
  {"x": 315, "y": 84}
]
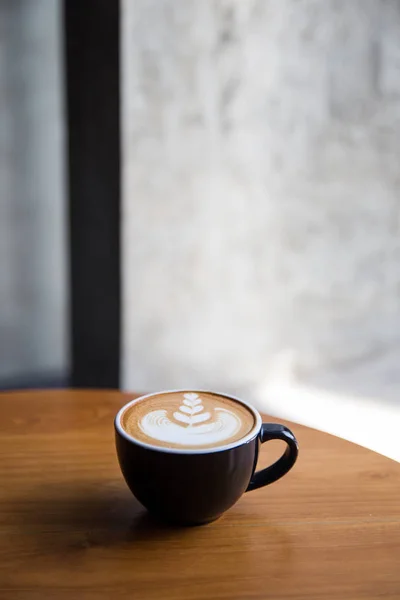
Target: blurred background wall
[
  {"x": 261, "y": 200},
  {"x": 33, "y": 292}
]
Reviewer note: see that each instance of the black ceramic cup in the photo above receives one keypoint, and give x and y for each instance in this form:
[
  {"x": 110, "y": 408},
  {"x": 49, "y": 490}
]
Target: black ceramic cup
[{"x": 195, "y": 486}]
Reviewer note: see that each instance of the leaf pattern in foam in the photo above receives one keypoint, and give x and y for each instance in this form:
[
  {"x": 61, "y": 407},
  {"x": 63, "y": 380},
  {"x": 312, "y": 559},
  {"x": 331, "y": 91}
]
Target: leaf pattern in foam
[{"x": 190, "y": 409}]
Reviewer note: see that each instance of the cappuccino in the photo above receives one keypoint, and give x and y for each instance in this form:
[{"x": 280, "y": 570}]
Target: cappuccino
[{"x": 187, "y": 420}]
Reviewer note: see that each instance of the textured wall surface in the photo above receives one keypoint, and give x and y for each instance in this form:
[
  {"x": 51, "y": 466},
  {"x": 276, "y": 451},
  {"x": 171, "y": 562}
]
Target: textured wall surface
[
  {"x": 32, "y": 236},
  {"x": 261, "y": 189}
]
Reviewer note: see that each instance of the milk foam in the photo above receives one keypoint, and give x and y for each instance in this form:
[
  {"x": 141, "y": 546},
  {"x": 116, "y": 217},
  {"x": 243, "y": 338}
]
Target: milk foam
[{"x": 191, "y": 424}]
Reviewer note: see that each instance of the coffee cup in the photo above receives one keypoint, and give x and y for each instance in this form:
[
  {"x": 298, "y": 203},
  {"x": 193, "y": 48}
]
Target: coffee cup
[{"x": 188, "y": 456}]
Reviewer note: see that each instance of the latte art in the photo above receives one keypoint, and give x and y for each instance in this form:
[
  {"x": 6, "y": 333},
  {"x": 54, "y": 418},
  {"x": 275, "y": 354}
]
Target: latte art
[
  {"x": 192, "y": 425},
  {"x": 187, "y": 420}
]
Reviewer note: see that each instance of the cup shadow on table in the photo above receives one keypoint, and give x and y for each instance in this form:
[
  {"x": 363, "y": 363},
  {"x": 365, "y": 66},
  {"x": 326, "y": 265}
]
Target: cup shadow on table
[{"x": 60, "y": 518}]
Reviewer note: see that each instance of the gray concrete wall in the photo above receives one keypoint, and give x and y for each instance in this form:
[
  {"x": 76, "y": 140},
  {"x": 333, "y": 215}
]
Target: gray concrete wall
[
  {"x": 32, "y": 220},
  {"x": 261, "y": 189}
]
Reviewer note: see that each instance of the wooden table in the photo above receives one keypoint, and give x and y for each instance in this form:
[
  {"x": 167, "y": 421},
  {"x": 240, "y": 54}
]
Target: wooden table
[{"x": 69, "y": 527}]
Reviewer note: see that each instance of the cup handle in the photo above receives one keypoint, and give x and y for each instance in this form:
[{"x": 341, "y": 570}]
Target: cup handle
[{"x": 272, "y": 431}]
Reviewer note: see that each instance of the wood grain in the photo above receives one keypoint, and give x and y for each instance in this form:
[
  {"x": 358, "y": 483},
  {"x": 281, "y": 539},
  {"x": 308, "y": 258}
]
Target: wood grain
[{"x": 69, "y": 528}]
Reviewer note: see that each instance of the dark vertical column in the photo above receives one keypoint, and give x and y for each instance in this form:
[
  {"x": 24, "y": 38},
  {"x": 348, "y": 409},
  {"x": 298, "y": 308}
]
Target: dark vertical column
[{"x": 92, "y": 43}]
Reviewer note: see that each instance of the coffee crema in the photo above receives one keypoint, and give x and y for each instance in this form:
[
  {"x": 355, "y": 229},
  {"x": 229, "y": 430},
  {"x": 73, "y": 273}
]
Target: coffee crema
[{"x": 187, "y": 420}]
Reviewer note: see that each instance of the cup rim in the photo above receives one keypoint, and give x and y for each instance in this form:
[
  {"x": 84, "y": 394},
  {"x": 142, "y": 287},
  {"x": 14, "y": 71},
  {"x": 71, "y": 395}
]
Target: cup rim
[{"x": 244, "y": 440}]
